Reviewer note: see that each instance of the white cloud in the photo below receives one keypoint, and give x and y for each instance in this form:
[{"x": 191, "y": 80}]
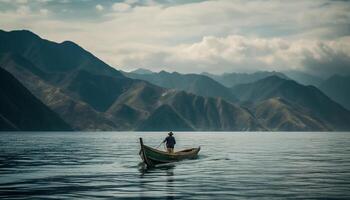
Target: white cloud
[
  {"x": 240, "y": 53},
  {"x": 121, "y": 7},
  {"x": 236, "y": 52},
  {"x": 23, "y": 10},
  {"x": 44, "y": 11},
  {"x": 99, "y": 7}
]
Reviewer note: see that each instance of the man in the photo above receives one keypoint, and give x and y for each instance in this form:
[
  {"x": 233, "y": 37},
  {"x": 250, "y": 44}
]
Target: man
[{"x": 170, "y": 142}]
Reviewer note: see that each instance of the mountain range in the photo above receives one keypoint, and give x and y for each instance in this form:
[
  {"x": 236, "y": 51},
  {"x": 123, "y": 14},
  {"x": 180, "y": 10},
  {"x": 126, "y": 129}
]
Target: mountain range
[
  {"x": 232, "y": 79},
  {"x": 88, "y": 94},
  {"x": 303, "y": 106},
  {"x": 304, "y": 78},
  {"x": 192, "y": 83}
]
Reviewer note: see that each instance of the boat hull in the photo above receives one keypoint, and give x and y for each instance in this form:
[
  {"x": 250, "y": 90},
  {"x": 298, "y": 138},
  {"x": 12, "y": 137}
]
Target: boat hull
[{"x": 153, "y": 157}]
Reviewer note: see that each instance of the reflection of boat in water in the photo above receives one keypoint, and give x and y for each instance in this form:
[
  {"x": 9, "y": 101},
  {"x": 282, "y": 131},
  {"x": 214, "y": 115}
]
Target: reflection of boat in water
[{"x": 153, "y": 157}]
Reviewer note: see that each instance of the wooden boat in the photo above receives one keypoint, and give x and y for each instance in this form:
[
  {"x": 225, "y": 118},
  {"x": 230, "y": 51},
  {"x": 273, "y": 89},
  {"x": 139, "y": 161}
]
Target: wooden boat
[{"x": 152, "y": 156}]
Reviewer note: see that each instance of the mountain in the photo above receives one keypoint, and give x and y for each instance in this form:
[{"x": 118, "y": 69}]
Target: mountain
[
  {"x": 142, "y": 71},
  {"x": 165, "y": 118},
  {"x": 281, "y": 115},
  {"x": 232, "y": 79},
  {"x": 193, "y": 83},
  {"x": 90, "y": 95},
  {"x": 305, "y": 100},
  {"x": 200, "y": 113},
  {"x": 21, "y": 111},
  {"x": 80, "y": 115},
  {"x": 304, "y": 78},
  {"x": 338, "y": 88}
]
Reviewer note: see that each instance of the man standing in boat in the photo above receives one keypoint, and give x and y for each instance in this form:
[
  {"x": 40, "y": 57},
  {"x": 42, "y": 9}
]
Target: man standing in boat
[{"x": 170, "y": 142}]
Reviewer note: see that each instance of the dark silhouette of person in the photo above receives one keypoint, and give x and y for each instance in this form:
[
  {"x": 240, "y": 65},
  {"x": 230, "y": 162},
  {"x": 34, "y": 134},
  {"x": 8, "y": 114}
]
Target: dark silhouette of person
[{"x": 170, "y": 142}]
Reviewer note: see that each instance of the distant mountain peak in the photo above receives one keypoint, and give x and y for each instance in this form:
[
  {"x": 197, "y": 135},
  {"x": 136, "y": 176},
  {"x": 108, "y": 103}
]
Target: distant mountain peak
[
  {"x": 235, "y": 78},
  {"x": 23, "y": 31},
  {"x": 69, "y": 43},
  {"x": 303, "y": 78},
  {"x": 51, "y": 56},
  {"x": 142, "y": 71},
  {"x": 163, "y": 72},
  {"x": 274, "y": 78}
]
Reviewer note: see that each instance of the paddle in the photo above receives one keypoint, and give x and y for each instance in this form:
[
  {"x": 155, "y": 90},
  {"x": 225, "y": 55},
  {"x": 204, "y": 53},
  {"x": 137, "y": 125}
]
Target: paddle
[{"x": 159, "y": 145}]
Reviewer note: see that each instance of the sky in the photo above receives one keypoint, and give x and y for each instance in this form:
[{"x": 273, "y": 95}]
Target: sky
[{"x": 218, "y": 36}]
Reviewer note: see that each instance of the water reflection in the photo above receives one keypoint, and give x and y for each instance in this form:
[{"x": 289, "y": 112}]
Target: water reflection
[
  {"x": 170, "y": 182},
  {"x": 166, "y": 171}
]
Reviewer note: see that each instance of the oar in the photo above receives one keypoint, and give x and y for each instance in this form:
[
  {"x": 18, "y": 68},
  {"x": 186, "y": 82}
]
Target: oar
[{"x": 159, "y": 145}]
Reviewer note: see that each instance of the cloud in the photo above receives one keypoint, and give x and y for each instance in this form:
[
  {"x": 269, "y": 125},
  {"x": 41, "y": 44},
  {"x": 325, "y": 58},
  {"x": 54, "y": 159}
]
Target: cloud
[
  {"x": 44, "y": 11},
  {"x": 131, "y": 1},
  {"x": 23, "y": 10},
  {"x": 121, "y": 7},
  {"x": 22, "y": 1},
  {"x": 246, "y": 54},
  {"x": 215, "y": 36},
  {"x": 99, "y": 7}
]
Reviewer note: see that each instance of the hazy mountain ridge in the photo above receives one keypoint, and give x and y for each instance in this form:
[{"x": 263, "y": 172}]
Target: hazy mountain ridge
[
  {"x": 338, "y": 88},
  {"x": 231, "y": 79},
  {"x": 304, "y": 78},
  {"x": 142, "y": 71},
  {"x": 193, "y": 83}
]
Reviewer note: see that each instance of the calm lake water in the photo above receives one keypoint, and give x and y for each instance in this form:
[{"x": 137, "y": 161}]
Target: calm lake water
[{"x": 230, "y": 166}]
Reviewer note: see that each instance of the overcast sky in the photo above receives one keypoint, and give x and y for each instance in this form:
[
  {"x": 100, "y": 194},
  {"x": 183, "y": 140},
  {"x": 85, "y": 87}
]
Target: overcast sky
[{"x": 195, "y": 36}]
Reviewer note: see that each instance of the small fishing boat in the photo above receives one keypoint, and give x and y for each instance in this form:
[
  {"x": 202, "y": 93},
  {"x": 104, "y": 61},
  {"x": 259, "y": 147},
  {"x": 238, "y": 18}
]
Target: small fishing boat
[{"x": 152, "y": 156}]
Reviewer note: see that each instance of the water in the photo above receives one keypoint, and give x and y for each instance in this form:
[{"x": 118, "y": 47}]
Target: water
[{"x": 230, "y": 166}]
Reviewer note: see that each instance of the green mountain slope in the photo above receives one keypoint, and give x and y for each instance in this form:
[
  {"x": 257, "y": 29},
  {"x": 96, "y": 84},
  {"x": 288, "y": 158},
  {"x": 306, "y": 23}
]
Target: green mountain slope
[
  {"x": 280, "y": 115},
  {"x": 20, "y": 110},
  {"x": 164, "y": 118}
]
